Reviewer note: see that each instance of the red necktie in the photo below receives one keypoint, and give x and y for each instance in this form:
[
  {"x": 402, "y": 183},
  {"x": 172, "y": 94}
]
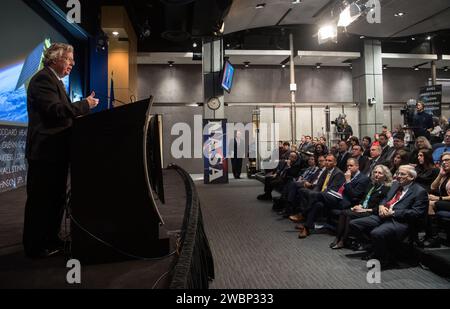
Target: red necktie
[
  {"x": 341, "y": 189},
  {"x": 395, "y": 198}
]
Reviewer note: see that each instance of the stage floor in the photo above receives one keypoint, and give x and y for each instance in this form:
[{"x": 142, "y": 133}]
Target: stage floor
[{"x": 17, "y": 271}]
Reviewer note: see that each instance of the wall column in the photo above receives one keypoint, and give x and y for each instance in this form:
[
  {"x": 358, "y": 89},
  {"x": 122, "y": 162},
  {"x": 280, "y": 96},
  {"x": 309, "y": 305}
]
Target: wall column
[
  {"x": 212, "y": 66},
  {"x": 367, "y": 86}
]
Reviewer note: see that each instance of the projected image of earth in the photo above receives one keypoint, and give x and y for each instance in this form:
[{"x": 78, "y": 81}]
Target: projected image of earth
[{"x": 13, "y": 103}]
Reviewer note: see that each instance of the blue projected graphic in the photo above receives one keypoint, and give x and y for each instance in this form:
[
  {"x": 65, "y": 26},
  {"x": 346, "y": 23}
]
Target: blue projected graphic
[
  {"x": 13, "y": 82},
  {"x": 227, "y": 79}
]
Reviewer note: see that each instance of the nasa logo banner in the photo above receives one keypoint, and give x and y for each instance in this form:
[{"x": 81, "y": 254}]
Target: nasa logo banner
[
  {"x": 214, "y": 151},
  {"x": 13, "y": 170}
]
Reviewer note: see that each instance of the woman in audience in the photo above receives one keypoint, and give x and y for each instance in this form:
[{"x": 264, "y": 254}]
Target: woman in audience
[
  {"x": 381, "y": 180},
  {"x": 401, "y": 157},
  {"x": 439, "y": 201},
  {"x": 421, "y": 143},
  {"x": 319, "y": 150},
  {"x": 366, "y": 143},
  {"x": 426, "y": 172}
]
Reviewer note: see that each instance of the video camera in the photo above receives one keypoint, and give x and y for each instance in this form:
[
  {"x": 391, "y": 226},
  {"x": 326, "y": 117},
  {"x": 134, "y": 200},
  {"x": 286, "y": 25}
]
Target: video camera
[
  {"x": 340, "y": 122},
  {"x": 408, "y": 112}
]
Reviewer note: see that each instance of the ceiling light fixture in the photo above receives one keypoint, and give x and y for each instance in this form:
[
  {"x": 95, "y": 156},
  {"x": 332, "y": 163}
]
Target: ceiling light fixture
[
  {"x": 171, "y": 63},
  {"x": 194, "y": 45},
  {"x": 349, "y": 15},
  {"x": 362, "y": 37},
  {"x": 318, "y": 65},
  {"x": 385, "y": 66},
  {"x": 283, "y": 66},
  {"x": 247, "y": 64},
  {"x": 399, "y": 14},
  {"x": 296, "y": 1},
  {"x": 413, "y": 39},
  {"x": 115, "y": 33},
  {"x": 416, "y": 68},
  {"x": 429, "y": 37},
  {"x": 445, "y": 69},
  {"x": 327, "y": 33},
  {"x": 260, "y": 6}
]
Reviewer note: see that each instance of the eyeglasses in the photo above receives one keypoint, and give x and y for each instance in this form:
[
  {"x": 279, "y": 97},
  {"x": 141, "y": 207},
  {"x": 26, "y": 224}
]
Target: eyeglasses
[{"x": 445, "y": 160}]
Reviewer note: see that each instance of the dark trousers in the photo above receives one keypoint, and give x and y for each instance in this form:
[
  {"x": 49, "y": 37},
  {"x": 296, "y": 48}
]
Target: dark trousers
[
  {"x": 383, "y": 233},
  {"x": 298, "y": 197},
  {"x": 319, "y": 202},
  {"x": 345, "y": 217},
  {"x": 236, "y": 166},
  {"x": 271, "y": 183},
  {"x": 46, "y": 196}
]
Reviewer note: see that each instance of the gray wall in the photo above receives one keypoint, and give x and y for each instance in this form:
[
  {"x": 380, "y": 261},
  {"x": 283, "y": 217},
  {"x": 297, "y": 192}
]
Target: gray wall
[{"x": 262, "y": 84}]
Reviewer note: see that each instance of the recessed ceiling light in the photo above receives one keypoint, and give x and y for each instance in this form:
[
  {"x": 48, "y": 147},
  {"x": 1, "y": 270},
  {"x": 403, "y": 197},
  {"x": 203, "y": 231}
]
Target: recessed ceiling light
[
  {"x": 399, "y": 14},
  {"x": 318, "y": 65},
  {"x": 260, "y": 6},
  {"x": 413, "y": 39},
  {"x": 362, "y": 37},
  {"x": 296, "y": 1},
  {"x": 247, "y": 64},
  {"x": 170, "y": 63},
  {"x": 115, "y": 33},
  {"x": 194, "y": 45},
  {"x": 416, "y": 68},
  {"x": 385, "y": 66},
  {"x": 429, "y": 37}
]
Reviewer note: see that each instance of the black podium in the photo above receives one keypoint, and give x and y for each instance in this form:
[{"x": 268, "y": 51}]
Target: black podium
[{"x": 113, "y": 209}]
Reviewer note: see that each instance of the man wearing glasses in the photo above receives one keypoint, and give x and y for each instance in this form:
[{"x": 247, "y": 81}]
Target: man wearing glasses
[
  {"x": 405, "y": 202},
  {"x": 51, "y": 116}
]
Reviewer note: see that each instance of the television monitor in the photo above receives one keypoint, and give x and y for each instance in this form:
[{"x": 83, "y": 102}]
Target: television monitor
[{"x": 227, "y": 78}]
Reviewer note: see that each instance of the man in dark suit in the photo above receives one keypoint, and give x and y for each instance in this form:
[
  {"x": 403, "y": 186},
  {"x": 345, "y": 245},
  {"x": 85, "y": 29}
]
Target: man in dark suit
[
  {"x": 405, "y": 202},
  {"x": 51, "y": 116},
  {"x": 343, "y": 155},
  {"x": 363, "y": 161},
  {"x": 330, "y": 181},
  {"x": 238, "y": 152}
]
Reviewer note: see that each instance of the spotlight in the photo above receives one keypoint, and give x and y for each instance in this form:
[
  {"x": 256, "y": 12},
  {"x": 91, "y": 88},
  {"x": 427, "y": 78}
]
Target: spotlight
[
  {"x": 115, "y": 33},
  {"x": 362, "y": 37},
  {"x": 318, "y": 65},
  {"x": 327, "y": 33},
  {"x": 349, "y": 15},
  {"x": 170, "y": 63},
  {"x": 413, "y": 39},
  {"x": 445, "y": 69},
  {"x": 194, "y": 45},
  {"x": 429, "y": 37},
  {"x": 260, "y": 6},
  {"x": 416, "y": 68},
  {"x": 283, "y": 66},
  {"x": 247, "y": 64},
  {"x": 399, "y": 14},
  {"x": 296, "y": 1},
  {"x": 385, "y": 66}
]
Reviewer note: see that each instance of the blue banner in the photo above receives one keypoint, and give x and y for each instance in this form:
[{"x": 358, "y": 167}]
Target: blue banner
[{"x": 214, "y": 151}]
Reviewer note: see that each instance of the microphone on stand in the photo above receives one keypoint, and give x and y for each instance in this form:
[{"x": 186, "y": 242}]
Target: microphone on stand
[{"x": 113, "y": 100}]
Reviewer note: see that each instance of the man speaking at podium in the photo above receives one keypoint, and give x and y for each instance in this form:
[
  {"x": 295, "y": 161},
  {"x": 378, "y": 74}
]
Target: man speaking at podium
[{"x": 51, "y": 116}]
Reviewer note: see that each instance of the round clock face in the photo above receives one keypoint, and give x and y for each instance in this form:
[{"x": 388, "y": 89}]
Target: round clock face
[{"x": 213, "y": 103}]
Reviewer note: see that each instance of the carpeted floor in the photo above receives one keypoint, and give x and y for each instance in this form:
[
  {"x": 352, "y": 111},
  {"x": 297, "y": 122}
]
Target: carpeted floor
[{"x": 254, "y": 248}]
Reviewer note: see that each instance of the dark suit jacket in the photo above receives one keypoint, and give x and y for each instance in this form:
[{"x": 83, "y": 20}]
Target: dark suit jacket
[
  {"x": 51, "y": 116},
  {"x": 336, "y": 180},
  {"x": 413, "y": 205},
  {"x": 354, "y": 191},
  {"x": 342, "y": 161},
  {"x": 364, "y": 164},
  {"x": 376, "y": 197}
]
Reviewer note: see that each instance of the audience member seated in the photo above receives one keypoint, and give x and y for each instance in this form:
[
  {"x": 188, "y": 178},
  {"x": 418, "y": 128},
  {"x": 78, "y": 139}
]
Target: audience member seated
[
  {"x": 381, "y": 180},
  {"x": 375, "y": 152},
  {"x": 342, "y": 156},
  {"x": 298, "y": 192},
  {"x": 399, "y": 144},
  {"x": 281, "y": 176},
  {"x": 439, "y": 201},
  {"x": 442, "y": 147},
  {"x": 333, "y": 179},
  {"x": 405, "y": 202},
  {"x": 421, "y": 143},
  {"x": 401, "y": 158},
  {"x": 363, "y": 161},
  {"x": 366, "y": 143},
  {"x": 319, "y": 150},
  {"x": 385, "y": 149},
  {"x": 426, "y": 172}
]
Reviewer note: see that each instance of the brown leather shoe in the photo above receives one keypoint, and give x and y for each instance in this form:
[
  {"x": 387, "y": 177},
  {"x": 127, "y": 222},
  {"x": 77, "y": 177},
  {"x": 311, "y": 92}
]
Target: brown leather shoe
[
  {"x": 303, "y": 232},
  {"x": 297, "y": 218}
]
